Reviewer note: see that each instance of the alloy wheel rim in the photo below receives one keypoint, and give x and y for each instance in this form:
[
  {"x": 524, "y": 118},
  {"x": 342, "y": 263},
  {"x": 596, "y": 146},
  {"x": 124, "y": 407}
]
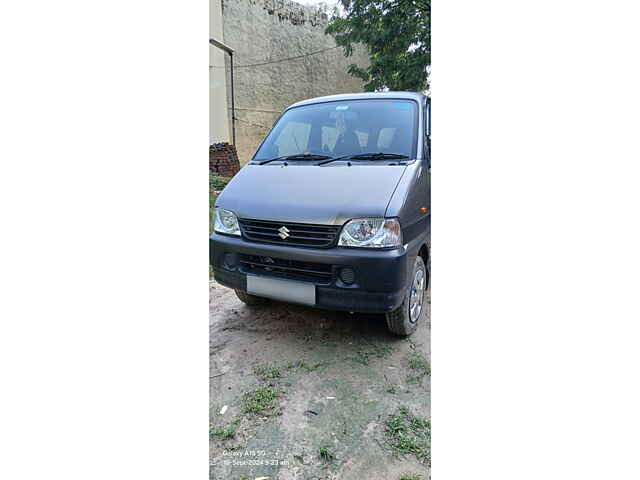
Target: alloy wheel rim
[{"x": 417, "y": 295}]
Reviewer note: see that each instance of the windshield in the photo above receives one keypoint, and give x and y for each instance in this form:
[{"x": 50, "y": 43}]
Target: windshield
[{"x": 338, "y": 129}]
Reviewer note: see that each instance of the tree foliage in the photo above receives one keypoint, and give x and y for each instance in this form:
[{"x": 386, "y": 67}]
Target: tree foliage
[{"x": 397, "y": 35}]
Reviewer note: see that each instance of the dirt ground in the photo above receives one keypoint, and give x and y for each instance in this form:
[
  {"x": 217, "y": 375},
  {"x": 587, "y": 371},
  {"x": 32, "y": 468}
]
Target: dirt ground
[{"x": 309, "y": 393}]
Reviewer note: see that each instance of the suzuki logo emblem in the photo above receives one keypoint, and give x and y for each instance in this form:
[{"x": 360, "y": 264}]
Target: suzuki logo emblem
[{"x": 284, "y": 232}]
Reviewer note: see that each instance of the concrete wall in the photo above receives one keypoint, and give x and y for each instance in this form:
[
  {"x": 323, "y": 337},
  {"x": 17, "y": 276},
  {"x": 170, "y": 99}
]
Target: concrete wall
[
  {"x": 263, "y": 31},
  {"x": 218, "y": 112}
]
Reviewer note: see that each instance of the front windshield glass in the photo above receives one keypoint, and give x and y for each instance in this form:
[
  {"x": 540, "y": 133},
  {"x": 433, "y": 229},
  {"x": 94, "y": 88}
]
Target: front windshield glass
[{"x": 339, "y": 129}]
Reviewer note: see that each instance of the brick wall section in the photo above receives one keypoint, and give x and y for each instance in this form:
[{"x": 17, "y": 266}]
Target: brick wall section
[{"x": 223, "y": 159}]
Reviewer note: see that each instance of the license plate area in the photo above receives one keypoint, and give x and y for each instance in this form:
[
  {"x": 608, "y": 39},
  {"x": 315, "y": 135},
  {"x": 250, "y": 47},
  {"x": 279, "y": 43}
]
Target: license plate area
[{"x": 284, "y": 290}]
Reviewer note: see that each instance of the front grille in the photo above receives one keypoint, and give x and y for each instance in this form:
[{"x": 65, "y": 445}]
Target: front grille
[
  {"x": 288, "y": 269},
  {"x": 299, "y": 234}
]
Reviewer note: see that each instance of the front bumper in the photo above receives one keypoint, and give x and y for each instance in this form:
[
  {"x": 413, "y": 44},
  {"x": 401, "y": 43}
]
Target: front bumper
[{"x": 380, "y": 275}]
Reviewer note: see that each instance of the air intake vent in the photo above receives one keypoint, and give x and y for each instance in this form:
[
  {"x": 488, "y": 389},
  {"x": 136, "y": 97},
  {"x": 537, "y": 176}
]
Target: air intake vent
[{"x": 319, "y": 273}]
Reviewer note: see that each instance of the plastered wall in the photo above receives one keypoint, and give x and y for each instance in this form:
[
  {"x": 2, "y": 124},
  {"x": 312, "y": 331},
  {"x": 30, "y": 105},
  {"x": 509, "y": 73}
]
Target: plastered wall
[{"x": 264, "y": 31}]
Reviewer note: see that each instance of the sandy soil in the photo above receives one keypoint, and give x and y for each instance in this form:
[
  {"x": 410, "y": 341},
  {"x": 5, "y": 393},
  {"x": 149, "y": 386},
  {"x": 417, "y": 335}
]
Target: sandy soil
[{"x": 353, "y": 375}]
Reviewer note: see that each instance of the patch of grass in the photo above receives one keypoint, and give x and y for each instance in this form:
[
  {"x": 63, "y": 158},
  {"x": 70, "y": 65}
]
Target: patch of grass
[
  {"x": 326, "y": 454},
  {"x": 217, "y": 182},
  {"x": 301, "y": 364},
  {"x": 419, "y": 363},
  {"x": 410, "y": 476},
  {"x": 420, "y": 366},
  {"x": 407, "y": 434},
  {"x": 267, "y": 372},
  {"x": 260, "y": 401},
  {"x": 292, "y": 365},
  {"x": 391, "y": 387},
  {"x": 372, "y": 350},
  {"x": 362, "y": 356},
  {"x": 315, "y": 366},
  {"x": 225, "y": 432}
]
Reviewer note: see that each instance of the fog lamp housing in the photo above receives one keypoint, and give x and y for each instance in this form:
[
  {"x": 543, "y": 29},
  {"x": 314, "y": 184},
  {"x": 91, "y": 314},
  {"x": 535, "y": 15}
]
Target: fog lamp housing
[
  {"x": 230, "y": 261},
  {"x": 347, "y": 275}
]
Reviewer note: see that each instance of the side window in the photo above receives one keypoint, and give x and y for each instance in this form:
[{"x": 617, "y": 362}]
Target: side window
[
  {"x": 294, "y": 138},
  {"x": 427, "y": 130}
]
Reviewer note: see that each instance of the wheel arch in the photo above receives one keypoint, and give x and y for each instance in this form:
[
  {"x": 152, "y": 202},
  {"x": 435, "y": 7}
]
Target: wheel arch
[{"x": 424, "y": 252}]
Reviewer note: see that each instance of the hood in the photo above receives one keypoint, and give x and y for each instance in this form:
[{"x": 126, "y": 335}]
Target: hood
[{"x": 328, "y": 195}]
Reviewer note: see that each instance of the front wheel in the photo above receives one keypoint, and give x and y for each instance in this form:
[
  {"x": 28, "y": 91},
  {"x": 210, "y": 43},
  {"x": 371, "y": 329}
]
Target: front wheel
[{"x": 404, "y": 320}]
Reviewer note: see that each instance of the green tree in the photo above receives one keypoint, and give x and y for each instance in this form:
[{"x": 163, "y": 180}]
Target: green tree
[{"x": 397, "y": 35}]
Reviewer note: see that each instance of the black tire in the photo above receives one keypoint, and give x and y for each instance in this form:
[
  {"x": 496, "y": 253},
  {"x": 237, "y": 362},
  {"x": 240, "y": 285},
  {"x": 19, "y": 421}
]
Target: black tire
[
  {"x": 400, "y": 321},
  {"x": 250, "y": 300}
]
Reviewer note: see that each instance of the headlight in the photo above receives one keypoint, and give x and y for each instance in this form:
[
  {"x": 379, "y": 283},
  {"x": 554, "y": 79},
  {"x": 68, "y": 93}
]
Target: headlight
[
  {"x": 371, "y": 233},
  {"x": 226, "y": 222}
]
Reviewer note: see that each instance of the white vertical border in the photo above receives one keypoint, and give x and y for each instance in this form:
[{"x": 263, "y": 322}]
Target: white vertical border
[
  {"x": 536, "y": 166},
  {"x": 103, "y": 194}
]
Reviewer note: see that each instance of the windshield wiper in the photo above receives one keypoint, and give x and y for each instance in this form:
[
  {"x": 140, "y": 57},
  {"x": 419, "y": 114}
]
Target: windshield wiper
[
  {"x": 367, "y": 156},
  {"x": 301, "y": 156}
]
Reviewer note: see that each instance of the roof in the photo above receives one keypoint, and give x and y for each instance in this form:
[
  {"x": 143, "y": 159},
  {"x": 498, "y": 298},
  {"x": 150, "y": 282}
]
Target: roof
[{"x": 361, "y": 96}]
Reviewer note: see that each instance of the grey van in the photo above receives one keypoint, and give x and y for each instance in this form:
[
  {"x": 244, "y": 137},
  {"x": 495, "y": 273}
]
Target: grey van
[{"x": 334, "y": 210}]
